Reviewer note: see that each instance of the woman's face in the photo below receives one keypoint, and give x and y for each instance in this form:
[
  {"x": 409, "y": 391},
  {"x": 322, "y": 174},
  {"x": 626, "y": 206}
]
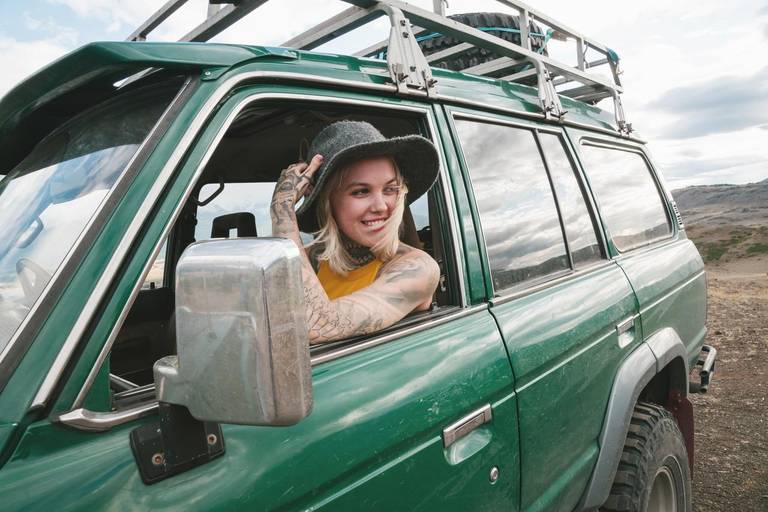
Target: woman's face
[{"x": 365, "y": 199}]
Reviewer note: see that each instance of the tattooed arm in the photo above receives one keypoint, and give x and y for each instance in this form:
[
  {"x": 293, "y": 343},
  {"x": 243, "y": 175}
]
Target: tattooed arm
[{"x": 404, "y": 283}]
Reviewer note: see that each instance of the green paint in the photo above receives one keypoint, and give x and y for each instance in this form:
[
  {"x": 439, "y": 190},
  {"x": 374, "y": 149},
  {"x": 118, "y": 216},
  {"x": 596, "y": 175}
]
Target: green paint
[{"x": 545, "y": 360}]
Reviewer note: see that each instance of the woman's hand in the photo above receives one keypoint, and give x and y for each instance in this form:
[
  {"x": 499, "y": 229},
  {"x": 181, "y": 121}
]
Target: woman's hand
[{"x": 293, "y": 183}]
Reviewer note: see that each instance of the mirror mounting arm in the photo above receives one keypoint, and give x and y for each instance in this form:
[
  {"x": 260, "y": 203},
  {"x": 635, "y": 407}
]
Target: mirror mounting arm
[{"x": 177, "y": 443}]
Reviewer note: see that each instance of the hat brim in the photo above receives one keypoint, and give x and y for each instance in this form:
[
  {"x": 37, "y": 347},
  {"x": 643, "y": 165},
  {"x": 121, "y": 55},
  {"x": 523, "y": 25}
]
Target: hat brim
[{"x": 416, "y": 157}]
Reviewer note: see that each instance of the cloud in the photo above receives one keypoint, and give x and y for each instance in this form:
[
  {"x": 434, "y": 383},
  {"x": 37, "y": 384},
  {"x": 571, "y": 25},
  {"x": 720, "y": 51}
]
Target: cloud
[
  {"x": 65, "y": 36},
  {"x": 695, "y": 166},
  {"x": 115, "y": 16},
  {"x": 747, "y": 173},
  {"x": 724, "y": 104},
  {"x": 691, "y": 153},
  {"x": 20, "y": 59}
]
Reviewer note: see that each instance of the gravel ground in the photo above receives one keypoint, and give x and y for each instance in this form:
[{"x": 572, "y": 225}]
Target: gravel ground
[{"x": 731, "y": 466}]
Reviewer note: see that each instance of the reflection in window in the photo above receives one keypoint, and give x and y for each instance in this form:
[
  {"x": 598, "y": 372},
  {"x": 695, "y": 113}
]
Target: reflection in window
[
  {"x": 49, "y": 198},
  {"x": 579, "y": 228},
  {"x": 629, "y": 200},
  {"x": 520, "y": 223}
]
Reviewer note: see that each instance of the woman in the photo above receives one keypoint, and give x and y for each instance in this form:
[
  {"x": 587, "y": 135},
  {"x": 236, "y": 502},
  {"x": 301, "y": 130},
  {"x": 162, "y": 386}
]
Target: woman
[{"x": 366, "y": 278}]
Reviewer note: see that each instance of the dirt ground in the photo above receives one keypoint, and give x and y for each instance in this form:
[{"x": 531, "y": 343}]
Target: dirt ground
[{"x": 731, "y": 420}]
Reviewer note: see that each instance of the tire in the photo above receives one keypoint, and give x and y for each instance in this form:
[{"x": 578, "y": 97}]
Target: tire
[
  {"x": 479, "y": 55},
  {"x": 653, "y": 474}
]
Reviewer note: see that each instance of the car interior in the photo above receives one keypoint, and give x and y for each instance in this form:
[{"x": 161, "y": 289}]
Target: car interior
[{"x": 231, "y": 200}]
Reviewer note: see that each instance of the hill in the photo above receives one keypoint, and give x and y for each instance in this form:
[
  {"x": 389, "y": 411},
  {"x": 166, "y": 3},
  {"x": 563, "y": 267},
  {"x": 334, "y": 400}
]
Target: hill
[{"x": 727, "y": 222}]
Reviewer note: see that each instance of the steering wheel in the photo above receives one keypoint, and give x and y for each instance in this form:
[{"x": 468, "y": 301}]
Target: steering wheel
[{"x": 33, "y": 284}]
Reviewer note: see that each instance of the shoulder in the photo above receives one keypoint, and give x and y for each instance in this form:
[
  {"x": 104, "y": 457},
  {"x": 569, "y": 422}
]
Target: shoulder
[{"x": 411, "y": 263}]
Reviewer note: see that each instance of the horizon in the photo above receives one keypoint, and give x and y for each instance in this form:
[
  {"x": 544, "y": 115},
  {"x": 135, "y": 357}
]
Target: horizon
[{"x": 721, "y": 185}]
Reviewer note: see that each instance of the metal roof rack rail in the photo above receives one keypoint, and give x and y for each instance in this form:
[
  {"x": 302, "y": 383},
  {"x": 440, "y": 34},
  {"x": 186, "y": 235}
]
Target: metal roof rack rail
[{"x": 409, "y": 68}]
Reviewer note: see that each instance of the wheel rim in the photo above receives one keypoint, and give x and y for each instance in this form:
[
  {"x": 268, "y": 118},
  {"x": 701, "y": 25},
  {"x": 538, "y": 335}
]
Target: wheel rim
[{"x": 663, "y": 497}]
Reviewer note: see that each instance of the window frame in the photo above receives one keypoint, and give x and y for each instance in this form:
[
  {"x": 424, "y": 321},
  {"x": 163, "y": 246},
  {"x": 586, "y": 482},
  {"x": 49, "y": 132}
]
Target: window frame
[
  {"x": 527, "y": 287},
  {"x": 452, "y": 249},
  {"x": 607, "y": 144}
]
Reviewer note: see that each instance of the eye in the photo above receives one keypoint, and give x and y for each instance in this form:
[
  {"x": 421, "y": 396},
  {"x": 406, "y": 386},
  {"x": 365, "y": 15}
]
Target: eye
[
  {"x": 392, "y": 190},
  {"x": 359, "y": 192}
]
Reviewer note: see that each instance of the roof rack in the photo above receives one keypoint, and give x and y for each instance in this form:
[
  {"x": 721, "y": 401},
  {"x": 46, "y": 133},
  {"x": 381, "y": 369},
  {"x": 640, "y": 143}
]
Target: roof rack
[{"x": 410, "y": 70}]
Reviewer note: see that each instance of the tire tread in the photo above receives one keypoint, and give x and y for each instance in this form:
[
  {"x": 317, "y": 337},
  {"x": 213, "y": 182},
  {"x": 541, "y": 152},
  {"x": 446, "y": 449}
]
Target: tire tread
[{"x": 648, "y": 424}]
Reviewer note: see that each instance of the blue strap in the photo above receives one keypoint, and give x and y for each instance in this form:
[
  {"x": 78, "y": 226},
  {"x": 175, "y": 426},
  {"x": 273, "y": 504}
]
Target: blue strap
[{"x": 613, "y": 56}]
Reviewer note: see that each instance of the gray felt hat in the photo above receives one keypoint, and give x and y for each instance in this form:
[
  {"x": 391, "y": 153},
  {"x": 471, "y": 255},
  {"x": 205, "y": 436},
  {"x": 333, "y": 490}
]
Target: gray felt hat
[{"x": 345, "y": 142}]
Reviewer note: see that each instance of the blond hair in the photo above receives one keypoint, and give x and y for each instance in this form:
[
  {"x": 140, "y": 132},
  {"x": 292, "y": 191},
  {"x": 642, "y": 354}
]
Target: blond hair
[{"x": 329, "y": 237}]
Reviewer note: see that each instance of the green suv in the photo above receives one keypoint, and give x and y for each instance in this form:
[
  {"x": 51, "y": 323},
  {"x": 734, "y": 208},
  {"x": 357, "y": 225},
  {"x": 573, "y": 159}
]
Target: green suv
[{"x": 153, "y": 347}]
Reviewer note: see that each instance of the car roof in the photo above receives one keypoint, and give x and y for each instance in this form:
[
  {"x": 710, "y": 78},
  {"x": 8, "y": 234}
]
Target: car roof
[{"x": 102, "y": 64}]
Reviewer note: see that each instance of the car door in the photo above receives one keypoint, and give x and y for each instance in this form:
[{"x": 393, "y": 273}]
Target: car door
[
  {"x": 647, "y": 238},
  {"x": 566, "y": 312},
  {"x": 421, "y": 417}
]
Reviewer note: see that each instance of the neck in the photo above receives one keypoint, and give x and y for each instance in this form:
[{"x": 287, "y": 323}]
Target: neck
[{"x": 359, "y": 254}]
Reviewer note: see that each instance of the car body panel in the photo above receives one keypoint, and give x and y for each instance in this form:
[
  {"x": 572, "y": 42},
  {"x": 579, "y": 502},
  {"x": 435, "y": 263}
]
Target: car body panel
[
  {"x": 373, "y": 440},
  {"x": 370, "y": 429},
  {"x": 564, "y": 351},
  {"x": 670, "y": 296}
]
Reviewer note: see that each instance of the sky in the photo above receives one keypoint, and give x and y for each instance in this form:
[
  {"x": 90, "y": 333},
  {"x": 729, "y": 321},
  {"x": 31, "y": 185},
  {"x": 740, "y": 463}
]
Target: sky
[{"x": 695, "y": 73}]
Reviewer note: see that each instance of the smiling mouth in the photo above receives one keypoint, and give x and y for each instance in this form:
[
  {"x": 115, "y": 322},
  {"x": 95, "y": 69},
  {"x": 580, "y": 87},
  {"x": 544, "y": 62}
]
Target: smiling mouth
[{"x": 374, "y": 223}]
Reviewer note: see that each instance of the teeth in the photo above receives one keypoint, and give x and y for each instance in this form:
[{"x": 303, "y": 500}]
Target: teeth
[{"x": 373, "y": 222}]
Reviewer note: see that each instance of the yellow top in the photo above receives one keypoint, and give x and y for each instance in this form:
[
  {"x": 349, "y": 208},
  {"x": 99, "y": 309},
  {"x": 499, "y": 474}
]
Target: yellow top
[{"x": 337, "y": 286}]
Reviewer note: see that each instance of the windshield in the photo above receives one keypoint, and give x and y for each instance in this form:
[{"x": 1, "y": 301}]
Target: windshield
[{"x": 47, "y": 200}]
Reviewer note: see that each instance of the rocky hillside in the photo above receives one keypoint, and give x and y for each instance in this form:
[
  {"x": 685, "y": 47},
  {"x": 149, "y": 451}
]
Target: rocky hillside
[{"x": 726, "y": 221}]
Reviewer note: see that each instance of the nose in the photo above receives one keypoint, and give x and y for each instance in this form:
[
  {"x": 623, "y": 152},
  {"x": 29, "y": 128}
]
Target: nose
[{"x": 379, "y": 203}]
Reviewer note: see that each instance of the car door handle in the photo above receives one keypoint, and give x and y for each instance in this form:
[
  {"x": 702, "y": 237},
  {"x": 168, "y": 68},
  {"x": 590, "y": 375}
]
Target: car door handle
[
  {"x": 626, "y": 325},
  {"x": 625, "y": 331},
  {"x": 467, "y": 424}
]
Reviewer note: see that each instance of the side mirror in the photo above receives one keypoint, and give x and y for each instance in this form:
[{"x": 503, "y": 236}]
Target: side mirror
[{"x": 242, "y": 338}]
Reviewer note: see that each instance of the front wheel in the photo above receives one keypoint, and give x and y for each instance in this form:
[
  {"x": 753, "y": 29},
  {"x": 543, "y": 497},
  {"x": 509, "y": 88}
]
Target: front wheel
[{"x": 653, "y": 474}]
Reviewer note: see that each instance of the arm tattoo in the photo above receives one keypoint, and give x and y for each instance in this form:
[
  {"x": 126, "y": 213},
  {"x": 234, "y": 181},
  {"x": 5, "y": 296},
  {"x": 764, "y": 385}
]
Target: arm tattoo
[{"x": 404, "y": 284}]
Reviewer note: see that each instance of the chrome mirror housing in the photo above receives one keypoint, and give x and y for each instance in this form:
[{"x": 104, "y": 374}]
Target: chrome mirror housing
[{"x": 242, "y": 338}]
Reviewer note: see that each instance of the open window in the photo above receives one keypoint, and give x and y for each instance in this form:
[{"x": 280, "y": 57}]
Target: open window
[{"x": 231, "y": 199}]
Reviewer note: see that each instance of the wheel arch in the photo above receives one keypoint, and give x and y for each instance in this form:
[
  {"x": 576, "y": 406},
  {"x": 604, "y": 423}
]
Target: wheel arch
[{"x": 656, "y": 371}]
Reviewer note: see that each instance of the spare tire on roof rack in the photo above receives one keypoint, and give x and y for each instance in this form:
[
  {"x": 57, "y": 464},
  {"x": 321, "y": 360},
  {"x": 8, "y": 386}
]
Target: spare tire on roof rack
[{"x": 505, "y": 26}]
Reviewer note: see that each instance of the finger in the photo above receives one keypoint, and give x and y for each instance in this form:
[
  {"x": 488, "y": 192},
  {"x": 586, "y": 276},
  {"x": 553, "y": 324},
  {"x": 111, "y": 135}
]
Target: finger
[
  {"x": 298, "y": 168},
  {"x": 314, "y": 165}
]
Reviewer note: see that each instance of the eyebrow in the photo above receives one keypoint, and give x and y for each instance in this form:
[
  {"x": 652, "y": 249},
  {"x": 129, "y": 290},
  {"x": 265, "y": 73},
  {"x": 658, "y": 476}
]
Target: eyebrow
[{"x": 363, "y": 184}]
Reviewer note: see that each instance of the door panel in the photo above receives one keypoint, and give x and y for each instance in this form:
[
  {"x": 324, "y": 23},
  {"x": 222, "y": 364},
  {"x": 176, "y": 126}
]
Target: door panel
[
  {"x": 663, "y": 266},
  {"x": 671, "y": 289},
  {"x": 373, "y": 438},
  {"x": 564, "y": 349}
]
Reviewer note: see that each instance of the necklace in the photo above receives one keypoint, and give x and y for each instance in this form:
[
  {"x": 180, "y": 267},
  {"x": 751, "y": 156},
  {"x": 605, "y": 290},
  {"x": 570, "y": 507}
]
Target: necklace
[{"x": 359, "y": 254}]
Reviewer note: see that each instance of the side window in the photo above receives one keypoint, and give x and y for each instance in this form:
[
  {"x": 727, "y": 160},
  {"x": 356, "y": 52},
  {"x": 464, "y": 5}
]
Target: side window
[
  {"x": 520, "y": 223},
  {"x": 232, "y": 199},
  {"x": 579, "y": 225},
  {"x": 630, "y": 202}
]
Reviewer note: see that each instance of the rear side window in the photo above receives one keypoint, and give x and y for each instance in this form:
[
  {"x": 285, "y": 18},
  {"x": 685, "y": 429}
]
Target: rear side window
[
  {"x": 629, "y": 199},
  {"x": 579, "y": 225},
  {"x": 521, "y": 226}
]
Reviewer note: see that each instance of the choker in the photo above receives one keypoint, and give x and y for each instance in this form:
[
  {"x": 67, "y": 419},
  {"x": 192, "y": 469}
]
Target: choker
[{"x": 359, "y": 254}]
